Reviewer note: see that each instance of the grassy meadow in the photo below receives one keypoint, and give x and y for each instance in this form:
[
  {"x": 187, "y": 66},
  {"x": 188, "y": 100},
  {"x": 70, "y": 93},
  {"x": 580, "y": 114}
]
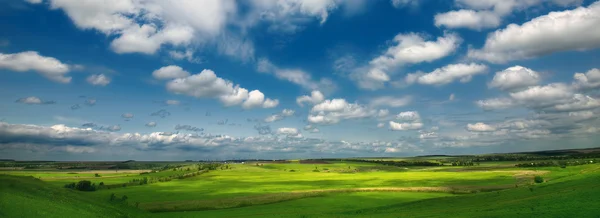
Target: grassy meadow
[{"x": 331, "y": 188}]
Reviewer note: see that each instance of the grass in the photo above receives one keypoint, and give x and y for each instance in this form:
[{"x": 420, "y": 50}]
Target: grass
[{"x": 339, "y": 189}]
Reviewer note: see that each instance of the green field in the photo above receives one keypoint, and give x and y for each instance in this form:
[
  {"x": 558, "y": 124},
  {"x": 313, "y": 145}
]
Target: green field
[{"x": 333, "y": 189}]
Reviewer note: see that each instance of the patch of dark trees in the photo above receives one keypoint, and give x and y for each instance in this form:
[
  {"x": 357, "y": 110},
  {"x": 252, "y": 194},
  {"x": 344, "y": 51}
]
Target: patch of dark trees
[
  {"x": 187, "y": 172},
  {"x": 561, "y": 163}
]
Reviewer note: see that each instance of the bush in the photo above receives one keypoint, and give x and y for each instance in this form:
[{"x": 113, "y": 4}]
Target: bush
[
  {"x": 85, "y": 185},
  {"x": 124, "y": 198},
  {"x": 538, "y": 179},
  {"x": 101, "y": 184},
  {"x": 316, "y": 171},
  {"x": 292, "y": 170},
  {"x": 97, "y": 175}
]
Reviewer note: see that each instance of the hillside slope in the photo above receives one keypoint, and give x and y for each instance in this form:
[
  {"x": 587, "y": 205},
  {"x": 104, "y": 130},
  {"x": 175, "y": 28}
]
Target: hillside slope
[{"x": 29, "y": 197}]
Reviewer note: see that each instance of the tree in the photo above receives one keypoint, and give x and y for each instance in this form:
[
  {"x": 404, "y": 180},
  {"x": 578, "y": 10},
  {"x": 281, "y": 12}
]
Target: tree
[
  {"x": 85, "y": 185},
  {"x": 538, "y": 179}
]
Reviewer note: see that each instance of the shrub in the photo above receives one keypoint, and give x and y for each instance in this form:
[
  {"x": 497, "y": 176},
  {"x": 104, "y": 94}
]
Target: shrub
[
  {"x": 97, "y": 175},
  {"x": 124, "y": 198},
  {"x": 70, "y": 185},
  {"x": 538, "y": 179},
  {"x": 112, "y": 196},
  {"x": 85, "y": 185},
  {"x": 316, "y": 171},
  {"x": 292, "y": 170},
  {"x": 101, "y": 184}
]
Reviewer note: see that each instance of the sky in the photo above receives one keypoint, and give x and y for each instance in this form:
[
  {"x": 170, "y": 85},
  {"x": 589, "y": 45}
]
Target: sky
[{"x": 280, "y": 79}]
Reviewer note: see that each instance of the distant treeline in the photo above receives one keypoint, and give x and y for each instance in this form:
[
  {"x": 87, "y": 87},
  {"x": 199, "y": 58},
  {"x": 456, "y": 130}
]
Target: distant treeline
[
  {"x": 386, "y": 162},
  {"x": 561, "y": 163}
]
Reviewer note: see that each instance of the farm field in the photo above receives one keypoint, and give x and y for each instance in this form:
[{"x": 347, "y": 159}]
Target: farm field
[{"x": 327, "y": 188}]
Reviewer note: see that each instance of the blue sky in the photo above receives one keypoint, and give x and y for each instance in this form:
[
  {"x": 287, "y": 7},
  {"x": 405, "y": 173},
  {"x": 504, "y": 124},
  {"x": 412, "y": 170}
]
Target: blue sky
[{"x": 296, "y": 79}]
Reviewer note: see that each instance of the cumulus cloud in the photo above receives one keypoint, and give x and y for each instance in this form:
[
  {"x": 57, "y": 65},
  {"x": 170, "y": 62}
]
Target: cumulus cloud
[
  {"x": 49, "y": 67},
  {"x": 406, "y": 49},
  {"x": 410, "y": 120},
  {"x": 33, "y": 100},
  {"x": 588, "y": 80},
  {"x": 390, "y": 101},
  {"x": 478, "y": 15},
  {"x": 335, "y": 110},
  {"x": 98, "y": 80},
  {"x": 471, "y": 19},
  {"x": 514, "y": 78},
  {"x": 315, "y": 97},
  {"x": 170, "y": 72},
  {"x": 447, "y": 74},
  {"x": 207, "y": 84},
  {"x": 480, "y": 127},
  {"x": 540, "y": 36},
  {"x": 405, "y": 126},
  {"x": 279, "y": 116}
]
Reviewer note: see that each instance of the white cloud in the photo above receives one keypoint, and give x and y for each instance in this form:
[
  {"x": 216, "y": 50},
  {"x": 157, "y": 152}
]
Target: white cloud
[
  {"x": 170, "y": 72},
  {"x": 471, "y": 19},
  {"x": 480, "y": 127},
  {"x": 405, "y": 126},
  {"x": 335, "y": 110},
  {"x": 555, "y": 32},
  {"x": 270, "y": 103},
  {"x": 273, "y": 118},
  {"x": 513, "y": 78},
  {"x": 315, "y": 97},
  {"x": 151, "y": 124},
  {"x": 296, "y": 76},
  {"x": 411, "y": 120},
  {"x": 48, "y": 67},
  {"x": 408, "y": 116},
  {"x": 389, "y": 101},
  {"x": 577, "y": 103},
  {"x": 279, "y": 116},
  {"x": 448, "y": 74},
  {"x": 588, "y": 80},
  {"x": 98, "y": 80},
  {"x": 405, "y": 3},
  {"x": 496, "y": 103},
  {"x": 172, "y": 102},
  {"x": 136, "y": 23},
  {"x": 451, "y": 97},
  {"x": 206, "y": 84},
  {"x": 34, "y": 1},
  {"x": 406, "y": 49},
  {"x": 543, "y": 96},
  {"x": 187, "y": 55},
  {"x": 287, "y": 112},
  {"x": 289, "y": 132},
  {"x": 380, "y": 125},
  {"x": 33, "y": 100},
  {"x": 478, "y": 15}
]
